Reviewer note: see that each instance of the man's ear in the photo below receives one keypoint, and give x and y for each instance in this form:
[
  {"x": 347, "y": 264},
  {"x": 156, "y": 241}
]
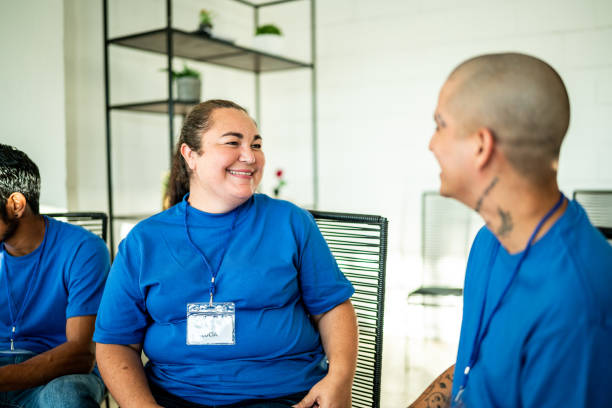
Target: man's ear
[
  {"x": 16, "y": 205},
  {"x": 485, "y": 146}
]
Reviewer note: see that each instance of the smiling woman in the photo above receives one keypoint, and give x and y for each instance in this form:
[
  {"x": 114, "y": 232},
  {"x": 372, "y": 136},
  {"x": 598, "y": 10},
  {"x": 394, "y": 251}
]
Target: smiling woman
[
  {"x": 228, "y": 167},
  {"x": 218, "y": 137},
  {"x": 232, "y": 295}
]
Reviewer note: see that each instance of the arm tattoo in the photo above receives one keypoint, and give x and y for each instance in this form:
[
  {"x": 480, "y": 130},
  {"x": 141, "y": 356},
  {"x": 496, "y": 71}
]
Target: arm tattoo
[
  {"x": 507, "y": 223},
  {"x": 485, "y": 193},
  {"x": 437, "y": 395},
  {"x": 437, "y": 400}
]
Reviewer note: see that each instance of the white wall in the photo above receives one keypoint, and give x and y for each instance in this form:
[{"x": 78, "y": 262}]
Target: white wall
[
  {"x": 32, "y": 90},
  {"x": 381, "y": 68},
  {"x": 85, "y": 130},
  {"x": 381, "y": 65}
]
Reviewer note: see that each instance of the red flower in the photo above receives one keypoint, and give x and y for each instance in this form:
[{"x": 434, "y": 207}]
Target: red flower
[{"x": 279, "y": 173}]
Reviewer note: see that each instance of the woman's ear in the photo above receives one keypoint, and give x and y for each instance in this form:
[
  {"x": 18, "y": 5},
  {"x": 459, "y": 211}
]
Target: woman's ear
[
  {"x": 188, "y": 155},
  {"x": 485, "y": 146},
  {"x": 16, "y": 205}
]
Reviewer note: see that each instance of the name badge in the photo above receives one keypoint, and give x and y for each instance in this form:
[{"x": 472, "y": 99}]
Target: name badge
[{"x": 211, "y": 323}]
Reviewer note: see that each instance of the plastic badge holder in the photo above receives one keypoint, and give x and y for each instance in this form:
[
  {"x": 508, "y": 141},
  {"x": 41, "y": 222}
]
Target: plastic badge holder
[{"x": 211, "y": 323}]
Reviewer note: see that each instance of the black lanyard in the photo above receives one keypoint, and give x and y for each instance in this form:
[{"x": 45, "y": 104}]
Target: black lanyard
[{"x": 16, "y": 316}]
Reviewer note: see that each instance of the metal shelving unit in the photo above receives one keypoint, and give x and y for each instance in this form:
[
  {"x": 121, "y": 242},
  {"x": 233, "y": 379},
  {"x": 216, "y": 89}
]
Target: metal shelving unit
[{"x": 195, "y": 46}]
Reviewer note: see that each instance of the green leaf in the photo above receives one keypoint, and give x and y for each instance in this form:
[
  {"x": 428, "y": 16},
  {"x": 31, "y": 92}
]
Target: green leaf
[
  {"x": 185, "y": 72},
  {"x": 205, "y": 18},
  {"x": 268, "y": 29}
]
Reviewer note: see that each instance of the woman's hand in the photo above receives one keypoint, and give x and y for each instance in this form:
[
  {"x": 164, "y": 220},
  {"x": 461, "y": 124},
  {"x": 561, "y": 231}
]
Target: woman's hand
[
  {"x": 338, "y": 330},
  {"x": 330, "y": 392}
]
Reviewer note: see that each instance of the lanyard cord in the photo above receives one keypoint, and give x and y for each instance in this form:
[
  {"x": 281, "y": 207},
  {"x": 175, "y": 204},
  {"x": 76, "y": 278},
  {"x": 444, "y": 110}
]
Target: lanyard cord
[
  {"x": 213, "y": 273},
  {"x": 479, "y": 338},
  {"x": 26, "y": 298}
]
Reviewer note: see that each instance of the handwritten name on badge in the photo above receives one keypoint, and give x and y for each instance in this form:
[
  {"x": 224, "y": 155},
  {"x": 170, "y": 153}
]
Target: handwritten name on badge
[{"x": 210, "y": 324}]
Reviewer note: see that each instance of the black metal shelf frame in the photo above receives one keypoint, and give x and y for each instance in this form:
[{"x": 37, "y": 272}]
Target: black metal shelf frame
[{"x": 195, "y": 46}]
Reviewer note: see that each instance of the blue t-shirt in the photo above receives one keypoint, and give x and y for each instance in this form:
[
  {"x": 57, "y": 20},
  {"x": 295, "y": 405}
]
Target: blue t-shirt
[
  {"x": 550, "y": 342},
  {"x": 277, "y": 270},
  {"x": 69, "y": 283}
]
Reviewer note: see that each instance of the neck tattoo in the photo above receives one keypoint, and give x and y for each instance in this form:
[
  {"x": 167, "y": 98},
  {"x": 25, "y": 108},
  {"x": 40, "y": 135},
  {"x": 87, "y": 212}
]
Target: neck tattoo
[
  {"x": 485, "y": 193},
  {"x": 506, "y": 222}
]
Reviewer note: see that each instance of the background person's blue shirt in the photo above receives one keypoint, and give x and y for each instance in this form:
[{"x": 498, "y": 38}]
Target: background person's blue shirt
[
  {"x": 70, "y": 282},
  {"x": 277, "y": 270},
  {"x": 550, "y": 342}
]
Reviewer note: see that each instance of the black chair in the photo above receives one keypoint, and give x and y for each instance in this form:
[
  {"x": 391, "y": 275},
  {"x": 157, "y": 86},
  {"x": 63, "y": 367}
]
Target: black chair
[
  {"x": 359, "y": 244},
  {"x": 447, "y": 230},
  {"x": 598, "y": 206},
  {"x": 607, "y": 232},
  {"x": 94, "y": 222}
]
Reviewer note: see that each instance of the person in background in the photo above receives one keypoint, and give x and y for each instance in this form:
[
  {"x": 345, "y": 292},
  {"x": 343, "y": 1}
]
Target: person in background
[
  {"x": 234, "y": 297},
  {"x": 537, "y": 308},
  {"x": 51, "y": 279}
]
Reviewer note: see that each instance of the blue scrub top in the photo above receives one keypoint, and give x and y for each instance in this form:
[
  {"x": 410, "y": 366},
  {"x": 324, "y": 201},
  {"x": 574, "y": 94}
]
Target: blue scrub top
[{"x": 549, "y": 343}]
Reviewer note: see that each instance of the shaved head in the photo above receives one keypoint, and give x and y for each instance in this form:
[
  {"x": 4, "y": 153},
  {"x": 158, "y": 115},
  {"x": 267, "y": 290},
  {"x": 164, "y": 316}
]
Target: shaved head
[{"x": 522, "y": 101}]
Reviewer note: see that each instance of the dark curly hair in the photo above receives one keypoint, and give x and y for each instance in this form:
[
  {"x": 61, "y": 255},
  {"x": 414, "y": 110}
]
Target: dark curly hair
[{"x": 18, "y": 174}]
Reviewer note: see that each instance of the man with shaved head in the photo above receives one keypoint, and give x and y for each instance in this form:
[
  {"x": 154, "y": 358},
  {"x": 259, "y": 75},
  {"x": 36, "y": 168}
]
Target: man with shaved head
[{"x": 537, "y": 312}]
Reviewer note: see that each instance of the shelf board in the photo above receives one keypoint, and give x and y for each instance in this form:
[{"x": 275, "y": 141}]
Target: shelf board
[
  {"x": 437, "y": 291},
  {"x": 198, "y": 47},
  {"x": 180, "y": 107},
  {"x": 430, "y": 294}
]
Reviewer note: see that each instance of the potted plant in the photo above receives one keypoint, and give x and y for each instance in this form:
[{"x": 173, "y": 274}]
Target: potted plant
[
  {"x": 206, "y": 25},
  {"x": 188, "y": 84},
  {"x": 268, "y": 38}
]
